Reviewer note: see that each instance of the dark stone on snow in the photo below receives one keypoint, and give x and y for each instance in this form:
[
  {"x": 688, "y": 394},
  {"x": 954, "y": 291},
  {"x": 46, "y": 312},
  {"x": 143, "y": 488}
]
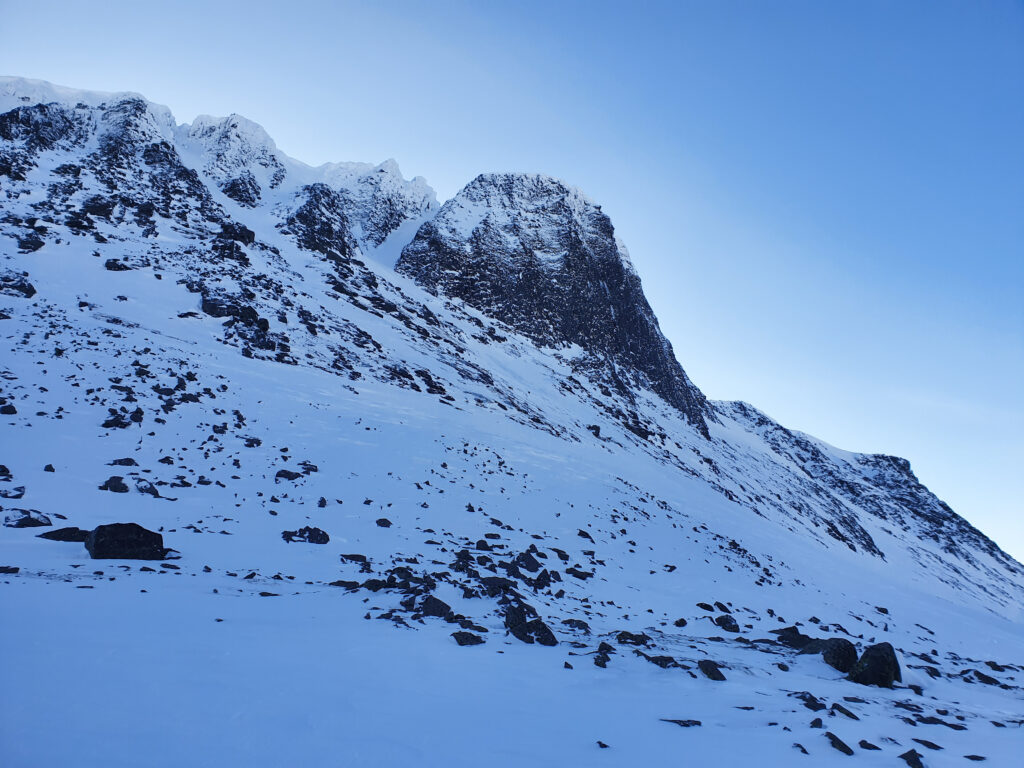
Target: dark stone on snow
[
  {"x": 817, "y": 723},
  {"x": 928, "y": 744},
  {"x": 838, "y": 743},
  {"x": 577, "y": 624},
  {"x": 522, "y": 627},
  {"x": 26, "y": 518},
  {"x": 682, "y": 723},
  {"x": 680, "y": 622},
  {"x": 125, "y": 541},
  {"x": 836, "y": 707},
  {"x": 706, "y": 607},
  {"x": 14, "y": 284},
  {"x": 839, "y": 653},
  {"x": 810, "y": 701},
  {"x": 65, "y": 534},
  {"x": 467, "y": 638},
  {"x": 12, "y": 493},
  {"x": 629, "y": 638},
  {"x": 306, "y": 534},
  {"x": 877, "y": 666},
  {"x": 864, "y": 744},
  {"x": 711, "y": 670},
  {"x": 286, "y": 474},
  {"x": 114, "y": 483},
  {"x": 912, "y": 758},
  {"x": 432, "y": 606},
  {"x": 384, "y": 522},
  {"x": 727, "y": 622},
  {"x": 129, "y": 462},
  {"x": 791, "y": 637}
]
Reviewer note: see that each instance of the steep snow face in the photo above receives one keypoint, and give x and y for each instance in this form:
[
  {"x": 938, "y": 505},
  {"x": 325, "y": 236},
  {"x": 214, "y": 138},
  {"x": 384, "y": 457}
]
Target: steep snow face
[
  {"x": 543, "y": 258},
  {"x": 324, "y": 441}
]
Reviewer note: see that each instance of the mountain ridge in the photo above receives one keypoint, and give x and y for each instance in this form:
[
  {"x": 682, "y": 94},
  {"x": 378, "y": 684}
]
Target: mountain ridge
[{"x": 247, "y": 375}]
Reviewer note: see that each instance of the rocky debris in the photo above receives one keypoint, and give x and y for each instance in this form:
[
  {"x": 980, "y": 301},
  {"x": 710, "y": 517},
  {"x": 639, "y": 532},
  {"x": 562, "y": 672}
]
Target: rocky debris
[
  {"x": 125, "y": 541},
  {"x": 26, "y": 518},
  {"x": 865, "y": 744},
  {"x": 810, "y": 701},
  {"x": 519, "y": 623},
  {"x": 306, "y": 534},
  {"x": 838, "y": 743},
  {"x": 877, "y": 666},
  {"x": 286, "y": 474},
  {"x": 912, "y": 758},
  {"x": 682, "y": 723},
  {"x": 15, "y": 284},
  {"x": 65, "y": 534},
  {"x": 9, "y": 570},
  {"x": 711, "y": 670},
  {"x": 12, "y": 493},
  {"x": 467, "y": 638},
  {"x": 839, "y": 653},
  {"x": 629, "y": 638}
]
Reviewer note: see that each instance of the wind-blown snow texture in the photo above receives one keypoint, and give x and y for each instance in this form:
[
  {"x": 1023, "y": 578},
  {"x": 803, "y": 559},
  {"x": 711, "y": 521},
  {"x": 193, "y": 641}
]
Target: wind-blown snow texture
[{"x": 536, "y": 532}]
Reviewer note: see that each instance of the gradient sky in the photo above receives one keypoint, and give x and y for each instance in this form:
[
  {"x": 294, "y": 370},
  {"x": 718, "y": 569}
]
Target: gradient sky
[{"x": 825, "y": 200}]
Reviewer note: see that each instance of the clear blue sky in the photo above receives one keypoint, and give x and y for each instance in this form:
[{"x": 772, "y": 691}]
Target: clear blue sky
[{"x": 825, "y": 200}]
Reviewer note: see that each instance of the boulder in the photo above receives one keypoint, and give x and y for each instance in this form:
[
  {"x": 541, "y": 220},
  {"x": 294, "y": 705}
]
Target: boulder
[
  {"x": 711, "y": 670},
  {"x": 125, "y": 541},
  {"x": 877, "y": 666},
  {"x": 839, "y": 653},
  {"x": 727, "y": 622},
  {"x": 467, "y": 638}
]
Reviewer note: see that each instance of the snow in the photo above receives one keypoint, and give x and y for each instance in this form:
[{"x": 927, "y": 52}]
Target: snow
[{"x": 130, "y": 667}]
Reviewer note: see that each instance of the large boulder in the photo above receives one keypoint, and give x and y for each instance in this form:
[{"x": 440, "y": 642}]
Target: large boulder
[
  {"x": 878, "y": 665},
  {"x": 26, "y": 518},
  {"x": 125, "y": 541},
  {"x": 838, "y": 652}
]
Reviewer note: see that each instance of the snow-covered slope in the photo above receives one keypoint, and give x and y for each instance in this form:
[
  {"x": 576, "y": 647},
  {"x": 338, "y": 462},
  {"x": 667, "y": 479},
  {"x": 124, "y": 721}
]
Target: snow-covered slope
[{"x": 205, "y": 337}]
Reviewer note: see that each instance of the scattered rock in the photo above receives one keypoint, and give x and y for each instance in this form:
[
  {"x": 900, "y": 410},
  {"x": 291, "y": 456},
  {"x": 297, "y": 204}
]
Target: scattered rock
[
  {"x": 467, "y": 638},
  {"x": 682, "y": 723},
  {"x": 912, "y": 758},
  {"x": 629, "y": 638},
  {"x": 865, "y": 744},
  {"x": 384, "y": 522}
]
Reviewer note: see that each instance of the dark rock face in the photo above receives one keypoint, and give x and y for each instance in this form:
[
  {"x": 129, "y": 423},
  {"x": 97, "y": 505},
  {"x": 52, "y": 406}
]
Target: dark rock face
[
  {"x": 307, "y": 534},
  {"x": 877, "y": 666},
  {"x": 538, "y": 255},
  {"x": 630, "y": 638},
  {"x": 125, "y": 541}
]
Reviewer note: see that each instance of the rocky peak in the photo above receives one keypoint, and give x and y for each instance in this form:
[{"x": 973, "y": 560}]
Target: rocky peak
[{"x": 541, "y": 256}]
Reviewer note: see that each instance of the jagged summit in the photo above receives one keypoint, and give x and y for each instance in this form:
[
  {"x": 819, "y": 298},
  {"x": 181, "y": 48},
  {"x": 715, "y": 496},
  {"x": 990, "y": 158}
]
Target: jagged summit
[{"x": 538, "y": 254}]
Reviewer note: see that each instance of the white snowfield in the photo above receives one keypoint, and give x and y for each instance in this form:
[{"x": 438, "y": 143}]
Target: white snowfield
[{"x": 225, "y": 368}]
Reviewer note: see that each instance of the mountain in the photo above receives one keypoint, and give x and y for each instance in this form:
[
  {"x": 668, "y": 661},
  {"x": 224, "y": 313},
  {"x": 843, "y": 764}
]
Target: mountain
[{"x": 426, "y": 485}]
